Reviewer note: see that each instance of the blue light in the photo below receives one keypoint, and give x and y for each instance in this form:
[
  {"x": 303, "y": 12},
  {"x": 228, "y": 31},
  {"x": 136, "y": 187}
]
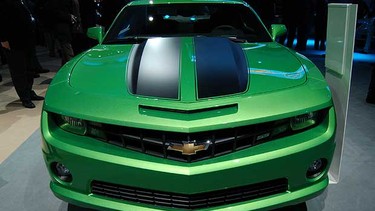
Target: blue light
[
  {"x": 166, "y": 16},
  {"x": 370, "y": 58},
  {"x": 358, "y": 57},
  {"x": 193, "y": 19}
]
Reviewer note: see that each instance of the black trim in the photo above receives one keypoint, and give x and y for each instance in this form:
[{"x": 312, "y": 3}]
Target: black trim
[
  {"x": 188, "y": 111},
  {"x": 223, "y": 141}
]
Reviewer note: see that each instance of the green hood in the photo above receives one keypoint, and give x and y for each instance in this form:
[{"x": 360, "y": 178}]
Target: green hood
[
  {"x": 108, "y": 70},
  {"x": 279, "y": 84}
]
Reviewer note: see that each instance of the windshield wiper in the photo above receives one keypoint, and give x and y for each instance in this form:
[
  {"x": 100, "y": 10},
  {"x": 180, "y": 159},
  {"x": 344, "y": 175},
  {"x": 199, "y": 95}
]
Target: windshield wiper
[{"x": 127, "y": 40}]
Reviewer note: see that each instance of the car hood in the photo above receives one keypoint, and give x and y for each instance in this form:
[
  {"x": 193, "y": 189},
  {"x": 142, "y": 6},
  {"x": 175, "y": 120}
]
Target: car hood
[{"x": 187, "y": 69}]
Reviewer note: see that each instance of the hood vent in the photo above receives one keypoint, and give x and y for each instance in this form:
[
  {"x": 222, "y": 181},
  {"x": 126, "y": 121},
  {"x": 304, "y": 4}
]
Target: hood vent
[{"x": 188, "y": 114}]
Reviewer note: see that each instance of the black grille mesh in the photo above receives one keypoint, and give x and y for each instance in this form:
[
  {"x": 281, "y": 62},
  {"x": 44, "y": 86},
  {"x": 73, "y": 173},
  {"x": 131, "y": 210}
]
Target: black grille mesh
[
  {"x": 220, "y": 142},
  {"x": 195, "y": 201},
  {"x": 215, "y": 143}
]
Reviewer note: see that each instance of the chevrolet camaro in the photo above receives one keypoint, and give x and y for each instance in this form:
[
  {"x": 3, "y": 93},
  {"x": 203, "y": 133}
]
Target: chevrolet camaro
[{"x": 188, "y": 105}]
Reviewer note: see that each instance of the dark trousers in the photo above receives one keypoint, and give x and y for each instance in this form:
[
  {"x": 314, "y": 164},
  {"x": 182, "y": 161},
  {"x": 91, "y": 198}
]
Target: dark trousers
[
  {"x": 79, "y": 43},
  {"x": 2, "y": 57},
  {"x": 66, "y": 52},
  {"x": 371, "y": 88},
  {"x": 301, "y": 30},
  {"x": 50, "y": 41},
  {"x": 19, "y": 62},
  {"x": 292, "y": 29},
  {"x": 35, "y": 64}
]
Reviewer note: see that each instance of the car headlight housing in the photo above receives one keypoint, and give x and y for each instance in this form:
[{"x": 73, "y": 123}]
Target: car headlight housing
[
  {"x": 71, "y": 124},
  {"x": 304, "y": 121}
]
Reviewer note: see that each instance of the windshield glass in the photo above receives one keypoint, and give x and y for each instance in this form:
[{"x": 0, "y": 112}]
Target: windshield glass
[{"x": 236, "y": 21}]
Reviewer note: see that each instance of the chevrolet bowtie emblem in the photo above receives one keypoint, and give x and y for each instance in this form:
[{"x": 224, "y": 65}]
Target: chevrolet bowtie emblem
[{"x": 188, "y": 148}]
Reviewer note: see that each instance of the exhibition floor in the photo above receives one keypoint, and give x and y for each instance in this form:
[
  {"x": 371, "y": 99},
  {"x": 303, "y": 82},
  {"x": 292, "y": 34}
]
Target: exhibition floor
[{"x": 24, "y": 182}]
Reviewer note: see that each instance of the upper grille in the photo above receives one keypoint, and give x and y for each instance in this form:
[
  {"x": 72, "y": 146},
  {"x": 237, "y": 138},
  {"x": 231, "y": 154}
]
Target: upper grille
[
  {"x": 191, "y": 147},
  {"x": 194, "y": 201},
  {"x": 216, "y": 143}
]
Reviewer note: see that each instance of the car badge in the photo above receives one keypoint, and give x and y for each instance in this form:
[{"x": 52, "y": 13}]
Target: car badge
[{"x": 189, "y": 148}]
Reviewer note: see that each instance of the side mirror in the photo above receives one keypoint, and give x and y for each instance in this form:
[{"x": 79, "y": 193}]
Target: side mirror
[
  {"x": 277, "y": 30},
  {"x": 96, "y": 33}
]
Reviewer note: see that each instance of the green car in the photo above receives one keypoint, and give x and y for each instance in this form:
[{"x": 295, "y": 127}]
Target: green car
[{"x": 188, "y": 105}]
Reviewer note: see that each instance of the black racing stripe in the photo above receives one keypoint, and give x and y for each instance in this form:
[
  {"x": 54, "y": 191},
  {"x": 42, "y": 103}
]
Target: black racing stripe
[
  {"x": 221, "y": 67},
  {"x": 133, "y": 69},
  {"x": 154, "y": 68}
]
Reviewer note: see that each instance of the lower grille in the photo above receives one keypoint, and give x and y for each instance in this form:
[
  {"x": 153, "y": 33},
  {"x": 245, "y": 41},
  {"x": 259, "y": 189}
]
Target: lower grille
[{"x": 194, "y": 201}]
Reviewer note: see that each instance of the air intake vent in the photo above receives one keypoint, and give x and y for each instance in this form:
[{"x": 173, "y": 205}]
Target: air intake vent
[{"x": 195, "y": 201}]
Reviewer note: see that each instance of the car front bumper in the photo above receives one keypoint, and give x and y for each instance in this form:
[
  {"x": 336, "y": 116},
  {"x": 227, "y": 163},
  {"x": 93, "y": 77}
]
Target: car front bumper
[{"x": 89, "y": 160}]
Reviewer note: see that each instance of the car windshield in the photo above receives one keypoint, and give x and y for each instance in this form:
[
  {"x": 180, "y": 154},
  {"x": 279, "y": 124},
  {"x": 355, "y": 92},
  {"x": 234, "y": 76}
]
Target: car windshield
[{"x": 235, "y": 21}]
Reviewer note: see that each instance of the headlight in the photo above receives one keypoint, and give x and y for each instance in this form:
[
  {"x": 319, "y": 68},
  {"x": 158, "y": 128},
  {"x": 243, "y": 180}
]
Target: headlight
[
  {"x": 71, "y": 124},
  {"x": 304, "y": 121}
]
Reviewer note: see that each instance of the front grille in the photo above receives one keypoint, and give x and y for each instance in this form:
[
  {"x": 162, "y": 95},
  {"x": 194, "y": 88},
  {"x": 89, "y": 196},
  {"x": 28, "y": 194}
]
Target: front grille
[
  {"x": 192, "y": 147},
  {"x": 194, "y": 201},
  {"x": 214, "y": 143}
]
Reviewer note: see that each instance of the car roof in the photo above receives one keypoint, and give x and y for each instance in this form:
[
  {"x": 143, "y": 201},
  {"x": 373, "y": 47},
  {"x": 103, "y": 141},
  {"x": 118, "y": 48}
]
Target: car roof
[{"x": 147, "y": 2}]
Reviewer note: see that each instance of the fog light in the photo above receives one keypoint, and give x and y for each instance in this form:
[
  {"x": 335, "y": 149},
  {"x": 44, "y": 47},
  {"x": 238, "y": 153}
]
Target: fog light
[
  {"x": 62, "y": 172},
  {"x": 316, "y": 168}
]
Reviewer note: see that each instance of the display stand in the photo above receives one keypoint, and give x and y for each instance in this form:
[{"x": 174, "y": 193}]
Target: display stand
[{"x": 339, "y": 61}]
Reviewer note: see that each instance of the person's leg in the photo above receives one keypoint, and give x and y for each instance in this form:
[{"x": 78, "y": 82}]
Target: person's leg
[
  {"x": 371, "y": 89},
  {"x": 2, "y": 56},
  {"x": 317, "y": 34},
  {"x": 35, "y": 64},
  {"x": 22, "y": 78},
  {"x": 302, "y": 37},
  {"x": 30, "y": 72},
  {"x": 291, "y": 35},
  {"x": 319, "y": 43},
  {"x": 50, "y": 43},
  {"x": 66, "y": 52},
  {"x": 316, "y": 43},
  {"x": 322, "y": 44}
]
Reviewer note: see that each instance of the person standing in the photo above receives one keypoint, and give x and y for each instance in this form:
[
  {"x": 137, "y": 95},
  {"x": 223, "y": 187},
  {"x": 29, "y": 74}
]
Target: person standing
[
  {"x": 17, "y": 37},
  {"x": 321, "y": 15},
  {"x": 297, "y": 14},
  {"x": 63, "y": 19},
  {"x": 77, "y": 31},
  {"x": 46, "y": 26},
  {"x": 290, "y": 14},
  {"x": 35, "y": 65},
  {"x": 87, "y": 12}
]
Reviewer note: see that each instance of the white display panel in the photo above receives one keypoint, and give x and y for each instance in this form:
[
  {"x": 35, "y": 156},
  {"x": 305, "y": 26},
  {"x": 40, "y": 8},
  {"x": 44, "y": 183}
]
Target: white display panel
[{"x": 339, "y": 62}]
